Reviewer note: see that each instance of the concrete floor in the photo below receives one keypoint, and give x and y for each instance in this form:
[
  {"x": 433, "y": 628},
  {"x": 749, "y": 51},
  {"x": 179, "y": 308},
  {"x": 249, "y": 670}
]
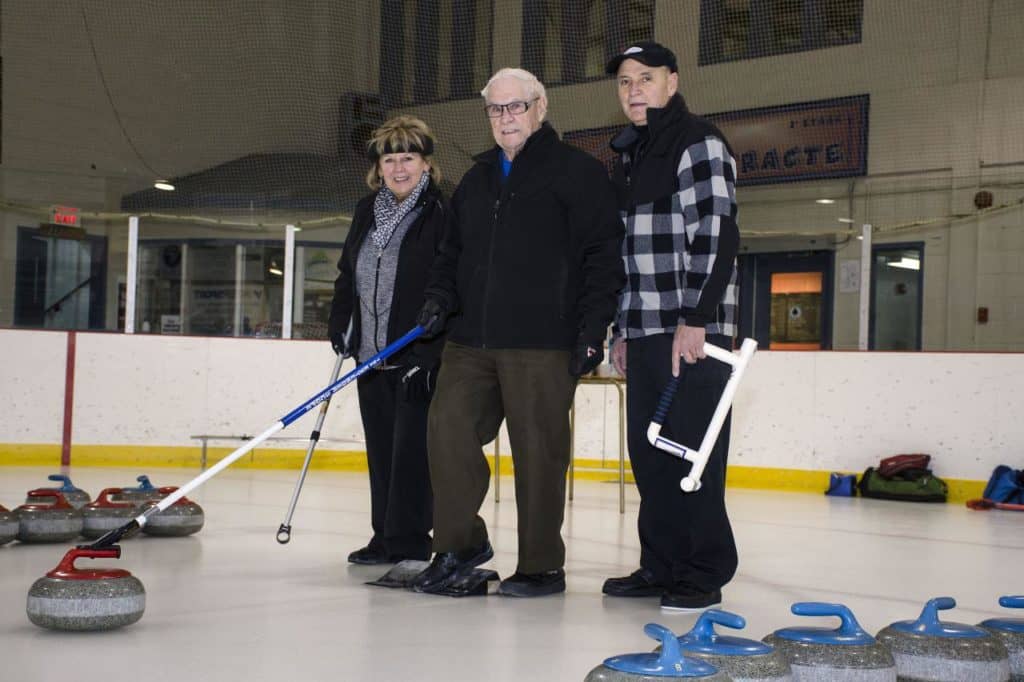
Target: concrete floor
[{"x": 230, "y": 603}]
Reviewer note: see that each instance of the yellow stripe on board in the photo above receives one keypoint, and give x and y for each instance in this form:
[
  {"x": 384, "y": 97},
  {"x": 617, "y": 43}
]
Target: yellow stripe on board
[{"x": 144, "y": 457}]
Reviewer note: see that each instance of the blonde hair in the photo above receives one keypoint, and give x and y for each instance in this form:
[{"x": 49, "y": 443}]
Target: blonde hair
[
  {"x": 401, "y": 134},
  {"x": 533, "y": 85}
]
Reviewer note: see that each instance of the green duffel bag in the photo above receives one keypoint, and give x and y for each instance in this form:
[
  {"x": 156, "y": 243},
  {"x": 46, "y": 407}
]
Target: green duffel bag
[{"x": 911, "y": 485}]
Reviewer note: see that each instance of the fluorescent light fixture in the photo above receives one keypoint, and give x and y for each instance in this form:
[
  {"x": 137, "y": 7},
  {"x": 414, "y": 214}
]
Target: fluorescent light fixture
[
  {"x": 848, "y": 221},
  {"x": 824, "y": 201},
  {"x": 906, "y": 263},
  {"x": 164, "y": 185},
  {"x": 274, "y": 269}
]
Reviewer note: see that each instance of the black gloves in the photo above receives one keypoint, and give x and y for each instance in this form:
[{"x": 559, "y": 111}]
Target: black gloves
[
  {"x": 585, "y": 358},
  {"x": 418, "y": 383},
  {"x": 338, "y": 343},
  {"x": 432, "y": 318}
]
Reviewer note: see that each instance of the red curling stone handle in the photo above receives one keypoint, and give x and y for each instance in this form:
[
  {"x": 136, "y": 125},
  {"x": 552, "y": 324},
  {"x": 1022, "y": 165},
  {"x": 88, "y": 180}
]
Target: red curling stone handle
[
  {"x": 103, "y": 500},
  {"x": 168, "y": 489},
  {"x": 60, "y": 502},
  {"x": 66, "y": 569}
]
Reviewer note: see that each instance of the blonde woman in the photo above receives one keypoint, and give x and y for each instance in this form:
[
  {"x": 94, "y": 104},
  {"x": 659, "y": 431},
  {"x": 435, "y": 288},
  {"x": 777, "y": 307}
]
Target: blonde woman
[{"x": 396, "y": 232}]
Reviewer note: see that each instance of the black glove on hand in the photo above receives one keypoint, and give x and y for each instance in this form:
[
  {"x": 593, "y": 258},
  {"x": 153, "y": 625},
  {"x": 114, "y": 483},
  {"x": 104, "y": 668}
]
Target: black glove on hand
[
  {"x": 432, "y": 318},
  {"x": 418, "y": 383},
  {"x": 585, "y": 358},
  {"x": 338, "y": 343}
]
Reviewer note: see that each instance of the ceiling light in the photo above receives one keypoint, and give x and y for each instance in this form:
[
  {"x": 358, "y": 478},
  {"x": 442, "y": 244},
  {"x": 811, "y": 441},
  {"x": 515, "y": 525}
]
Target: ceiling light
[
  {"x": 824, "y": 201},
  {"x": 164, "y": 185},
  {"x": 848, "y": 221},
  {"x": 274, "y": 269}
]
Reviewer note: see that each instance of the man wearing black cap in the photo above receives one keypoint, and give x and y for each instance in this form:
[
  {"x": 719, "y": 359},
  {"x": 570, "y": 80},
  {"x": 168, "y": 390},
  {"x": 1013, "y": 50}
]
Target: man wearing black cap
[{"x": 675, "y": 181}]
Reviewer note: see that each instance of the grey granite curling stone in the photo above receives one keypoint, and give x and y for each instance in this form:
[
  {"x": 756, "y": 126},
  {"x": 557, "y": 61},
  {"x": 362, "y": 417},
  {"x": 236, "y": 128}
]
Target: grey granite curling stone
[
  {"x": 76, "y": 497},
  {"x": 184, "y": 517},
  {"x": 143, "y": 492},
  {"x": 103, "y": 515},
  {"x": 845, "y": 654},
  {"x": 69, "y": 598},
  {"x": 55, "y": 522},
  {"x": 744, "y": 660},
  {"x": 1011, "y": 632},
  {"x": 941, "y": 651},
  {"x": 669, "y": 663},
  {"x": 8, "y": 525}
]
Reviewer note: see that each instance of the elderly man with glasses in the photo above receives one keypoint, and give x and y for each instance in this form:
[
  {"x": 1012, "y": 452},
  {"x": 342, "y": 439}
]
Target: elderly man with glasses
[{"x": 526, "y": 284}]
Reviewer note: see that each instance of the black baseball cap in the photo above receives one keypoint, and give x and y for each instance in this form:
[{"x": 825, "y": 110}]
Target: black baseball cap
[{"x": 646, "y": 52}]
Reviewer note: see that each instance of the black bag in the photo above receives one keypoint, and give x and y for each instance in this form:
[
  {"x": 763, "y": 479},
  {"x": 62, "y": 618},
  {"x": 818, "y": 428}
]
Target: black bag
[{"x": 909, "y": 485}]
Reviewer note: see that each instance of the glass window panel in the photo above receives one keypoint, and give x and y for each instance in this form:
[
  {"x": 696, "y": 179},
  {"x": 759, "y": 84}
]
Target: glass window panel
[{"x": 744, "y": 29}]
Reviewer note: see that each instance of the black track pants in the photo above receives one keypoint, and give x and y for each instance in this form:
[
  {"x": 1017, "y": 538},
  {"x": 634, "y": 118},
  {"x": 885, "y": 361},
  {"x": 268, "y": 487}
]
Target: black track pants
[
  {"x": 396, "y": 453},
  {"x": 685, "y": 538}
]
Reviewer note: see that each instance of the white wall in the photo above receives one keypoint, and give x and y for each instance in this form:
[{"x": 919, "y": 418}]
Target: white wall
[{"x": 815, "y": 411}]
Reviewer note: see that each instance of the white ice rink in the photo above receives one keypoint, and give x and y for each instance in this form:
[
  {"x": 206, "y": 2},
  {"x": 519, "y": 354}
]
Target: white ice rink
[{"x": 230, "y": 603}]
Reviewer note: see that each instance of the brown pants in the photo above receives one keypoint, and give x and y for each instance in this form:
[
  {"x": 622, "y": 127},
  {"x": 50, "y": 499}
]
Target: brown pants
[{"x": 476, "y": 389}]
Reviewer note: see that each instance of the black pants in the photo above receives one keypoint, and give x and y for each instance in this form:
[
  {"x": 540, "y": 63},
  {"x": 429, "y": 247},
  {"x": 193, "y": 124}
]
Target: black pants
[
  {"x": 401, "y": 504},
  {"x": 532, "y": 391},
  {"x": 685, "y": 538}
]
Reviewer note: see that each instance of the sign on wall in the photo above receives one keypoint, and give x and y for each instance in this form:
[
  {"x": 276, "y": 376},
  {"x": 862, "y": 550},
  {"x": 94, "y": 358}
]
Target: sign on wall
[
  {"x": 789, "y": 143},
  {"x": 809, "y": 141}
]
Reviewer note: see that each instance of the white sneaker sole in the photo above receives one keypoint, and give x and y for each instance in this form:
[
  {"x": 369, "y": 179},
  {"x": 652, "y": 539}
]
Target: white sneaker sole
[{"x": 688, "y": 609}]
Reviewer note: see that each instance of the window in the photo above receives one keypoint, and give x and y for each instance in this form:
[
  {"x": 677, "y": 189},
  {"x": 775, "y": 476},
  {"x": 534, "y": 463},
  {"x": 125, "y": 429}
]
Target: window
[
  {"x": 731, "y": 30},
  {"x": 570, "y": 41},
  {"x": 434, "y": 50}
]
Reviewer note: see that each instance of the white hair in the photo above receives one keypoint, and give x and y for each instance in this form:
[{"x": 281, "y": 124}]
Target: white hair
[{"x": 534, "y": 86}]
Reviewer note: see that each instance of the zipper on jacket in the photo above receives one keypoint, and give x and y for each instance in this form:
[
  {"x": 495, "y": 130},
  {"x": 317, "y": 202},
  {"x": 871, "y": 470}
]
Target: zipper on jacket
[
  {"x": 376, "y": 317},
  {"x": 490, "y": 266}
]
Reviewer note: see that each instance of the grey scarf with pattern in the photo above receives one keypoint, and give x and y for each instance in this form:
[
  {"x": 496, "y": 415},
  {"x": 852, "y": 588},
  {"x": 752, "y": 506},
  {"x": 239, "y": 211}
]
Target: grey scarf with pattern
[{"x": 388, "y": 212}]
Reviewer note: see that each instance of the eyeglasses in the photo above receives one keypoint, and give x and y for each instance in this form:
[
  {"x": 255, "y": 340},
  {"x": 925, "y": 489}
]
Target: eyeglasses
[{"x": 514, "y": 108}]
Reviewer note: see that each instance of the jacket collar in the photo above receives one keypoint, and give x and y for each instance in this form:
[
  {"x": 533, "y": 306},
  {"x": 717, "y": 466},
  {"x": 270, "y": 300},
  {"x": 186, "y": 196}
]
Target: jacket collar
[
  {"x": 542, "y": 137},
  {"x": 657, "y": 120}
]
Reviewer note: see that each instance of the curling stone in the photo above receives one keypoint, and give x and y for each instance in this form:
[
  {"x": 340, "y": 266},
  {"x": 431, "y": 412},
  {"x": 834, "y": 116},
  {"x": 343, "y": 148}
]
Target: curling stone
[
  {"x": 937, "y": 651},
  {"x": 845, "y": 654},
  {"x": 184, "y": 517},
  {"x": 744, "y": 660},
  {"x": 70, "y": 598},
  {"x": 1011, "y": 632},
  {"x": 56, "y": 522},
  {"x": 76, "y": 497},
  {"x": 668, "y": 663},
  {"x": 104, "y": 515},
  {"x": 143, "y": 492},
  {"x": 8, "y": 525}
]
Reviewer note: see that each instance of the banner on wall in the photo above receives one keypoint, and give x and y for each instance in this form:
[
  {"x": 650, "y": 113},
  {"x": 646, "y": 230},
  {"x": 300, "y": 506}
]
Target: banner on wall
[{"x": 788, "y": 143}]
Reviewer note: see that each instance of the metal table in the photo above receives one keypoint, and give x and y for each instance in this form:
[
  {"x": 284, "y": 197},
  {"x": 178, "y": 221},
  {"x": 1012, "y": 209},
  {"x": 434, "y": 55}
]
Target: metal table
[
  {"x": 616, "y": 381},
  {"x": 206, "y": 438}
]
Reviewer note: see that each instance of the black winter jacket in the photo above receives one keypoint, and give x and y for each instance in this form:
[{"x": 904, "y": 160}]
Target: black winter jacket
[
  {"x": 533, "y": 262},
  {"x": 415, "y": 258}
]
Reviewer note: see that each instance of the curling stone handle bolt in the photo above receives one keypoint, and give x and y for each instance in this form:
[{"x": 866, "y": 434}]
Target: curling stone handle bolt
[
  {"x": 671, "y": 656},
  {"x": 849, "y": 625},
  {"x": 704, "y": 629},
  {"x": 67, "y": 564},
  {"x": 284, "y": 534},
  {"x": 1012, "y": 602}
]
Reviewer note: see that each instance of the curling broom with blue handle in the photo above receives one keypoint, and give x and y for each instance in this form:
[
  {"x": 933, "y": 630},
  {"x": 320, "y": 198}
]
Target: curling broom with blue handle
[{"x": 138, "y": 522}]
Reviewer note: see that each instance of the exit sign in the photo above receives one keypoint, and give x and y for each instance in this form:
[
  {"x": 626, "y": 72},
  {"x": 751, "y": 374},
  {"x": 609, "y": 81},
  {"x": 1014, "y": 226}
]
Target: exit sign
[{"x": 65, "y": 215}]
